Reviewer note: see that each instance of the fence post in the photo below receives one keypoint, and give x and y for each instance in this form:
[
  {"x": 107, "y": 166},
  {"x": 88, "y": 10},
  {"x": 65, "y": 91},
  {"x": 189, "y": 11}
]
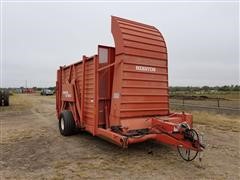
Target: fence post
[
  {"x": 183, "y": 101},
  {"x": 218, "y": 103}
]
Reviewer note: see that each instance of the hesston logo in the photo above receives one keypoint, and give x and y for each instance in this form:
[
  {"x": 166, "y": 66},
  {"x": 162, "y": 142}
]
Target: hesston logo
[
  {"x": 66, "y": 94},
  {"x": 146, "y": 68}
]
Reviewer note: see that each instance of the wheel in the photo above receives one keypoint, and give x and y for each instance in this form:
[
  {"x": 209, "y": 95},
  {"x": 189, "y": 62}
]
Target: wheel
[
  {"x": 188, "y": 154},
  {"x": 6, "y": 102},
  {"x": 66, "y": 123}
]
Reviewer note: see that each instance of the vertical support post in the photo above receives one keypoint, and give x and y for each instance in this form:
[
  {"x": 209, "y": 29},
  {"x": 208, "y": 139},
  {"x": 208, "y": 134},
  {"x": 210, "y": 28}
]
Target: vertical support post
[
  {"x": 83, "y": 91},
  {"x": 61, "y": 103},
  {"x": 218, "y": 102},
  {"x": 78, "y": 99},
  {"x": 96, "y": 99}
]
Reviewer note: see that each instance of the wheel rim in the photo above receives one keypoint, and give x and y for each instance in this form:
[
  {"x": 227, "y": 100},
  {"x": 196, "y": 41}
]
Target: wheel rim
[
  {"x": 188, "y": 154},
  {"x": 62, "y": 123}
]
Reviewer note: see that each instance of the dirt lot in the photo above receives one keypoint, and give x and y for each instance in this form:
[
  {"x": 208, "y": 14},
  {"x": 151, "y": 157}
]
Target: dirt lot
[{"x": 32, "y": 148}]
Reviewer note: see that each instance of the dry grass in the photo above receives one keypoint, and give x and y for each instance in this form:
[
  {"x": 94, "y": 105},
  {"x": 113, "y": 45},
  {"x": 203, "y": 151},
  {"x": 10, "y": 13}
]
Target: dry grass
[
  {"x": 17, "y": 136},
  {"x": 61, "y": 164},
  {"x": 223, "y": 122},
  {"x": 18, "y": 102},
  {"x": 225, "y": 95}
]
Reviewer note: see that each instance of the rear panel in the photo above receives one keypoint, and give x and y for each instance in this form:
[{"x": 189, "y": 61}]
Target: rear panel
[
  {"x": 76, "y": 91},
  {"x": 140, "y": 85},
  {"x": 69, "y": 82}
]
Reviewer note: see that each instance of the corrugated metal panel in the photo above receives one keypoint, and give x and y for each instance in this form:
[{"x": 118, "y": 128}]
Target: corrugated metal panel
[
  {"x": 144, "y": 71},
  {"x": 74, "y": 74},
  {"x": 89, "y": 95}
]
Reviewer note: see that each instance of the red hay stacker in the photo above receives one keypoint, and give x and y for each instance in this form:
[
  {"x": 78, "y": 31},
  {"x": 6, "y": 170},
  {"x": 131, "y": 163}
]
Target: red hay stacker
[{"x": 121, "y": 94}]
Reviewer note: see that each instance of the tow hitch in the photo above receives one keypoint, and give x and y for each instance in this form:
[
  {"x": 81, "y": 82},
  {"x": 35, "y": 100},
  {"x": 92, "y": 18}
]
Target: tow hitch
[{"x": 188, "y": 142}]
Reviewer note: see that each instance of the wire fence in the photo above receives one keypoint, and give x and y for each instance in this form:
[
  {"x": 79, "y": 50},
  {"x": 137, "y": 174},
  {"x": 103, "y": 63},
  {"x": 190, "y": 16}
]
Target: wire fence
[{"x": 211, "y": 104}]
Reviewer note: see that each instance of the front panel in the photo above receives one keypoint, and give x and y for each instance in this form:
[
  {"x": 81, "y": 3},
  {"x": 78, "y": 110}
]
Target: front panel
[{"x": 140, "y": 85}]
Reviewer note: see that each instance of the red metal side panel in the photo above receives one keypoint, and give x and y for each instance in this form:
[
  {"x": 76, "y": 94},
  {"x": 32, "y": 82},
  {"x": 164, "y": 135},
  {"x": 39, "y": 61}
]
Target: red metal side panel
[
  {"x": 66, "y": 74},
  {"x": 58, "y": 92},
  {"x": 78, "y": 68},
  {"x": 140, "y": 85},
  {"x": 72, "y": 74},
  {"x": 68, "y": 93},
  {"x": 68, "y": 90},
  {"x": 89, "y": 95},
  {"x": 78, "y": 97}
]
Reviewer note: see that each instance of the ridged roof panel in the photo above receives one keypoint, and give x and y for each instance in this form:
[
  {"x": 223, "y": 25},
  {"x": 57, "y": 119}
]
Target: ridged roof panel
[{"x": 138, "y": 39}]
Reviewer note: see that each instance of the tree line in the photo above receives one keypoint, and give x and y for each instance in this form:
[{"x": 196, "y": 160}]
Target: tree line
[{"x": 205, "y": 88}]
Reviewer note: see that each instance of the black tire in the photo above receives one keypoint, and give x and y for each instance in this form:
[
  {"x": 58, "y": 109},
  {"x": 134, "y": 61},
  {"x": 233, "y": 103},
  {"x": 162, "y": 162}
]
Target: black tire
[
  {"x": 66, "y": 123},
  {"x": 6, "y": 102},
  {"x": 6, "y": 99}
]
